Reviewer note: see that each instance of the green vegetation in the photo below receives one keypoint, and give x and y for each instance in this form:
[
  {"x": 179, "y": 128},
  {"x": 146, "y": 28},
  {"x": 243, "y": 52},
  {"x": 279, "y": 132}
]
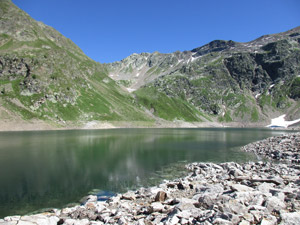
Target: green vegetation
[
  {"x": 125, "y": 83},
  {"x": 254, "y": 115},
  {"x": 166, "y": 107},
  {"x": 295, "y": 88},
  {"x": 226, "y": 117}
]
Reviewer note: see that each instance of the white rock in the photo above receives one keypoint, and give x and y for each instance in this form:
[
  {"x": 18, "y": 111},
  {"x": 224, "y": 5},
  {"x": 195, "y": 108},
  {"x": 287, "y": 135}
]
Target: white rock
[
  {"x": 233, "y": 206},
  {"x": 271, "y": 220},
  {"x": 184, "y": 221},
  {"x": 122, "y": 221},
  {"x": 68, "y": 210},
  {"x": 257, "y": 215},
  {"x": 249, "y": 217},
  {"x": 290, "y": 218},
  {"x": 39, "y": 219},
  {"x": 265, "y": 188},
  {"x": 172, "y": 220},
  {"x": 184, "y": 214},
  {"x": 220, "y": 221},
  {"x": 157, "y": 207},
  {"x": 3, "y": 222},
  {"x": 186, "y": 204},
  {"x": 96, "y": 223},
  {"x": 244, "y": 222},
  {"x": 129, "y": 196},
  {"x": 257, "y": 200},
  {"x": 241, "y": 188},
  {"x": 100, "y": 207},
  {"x": 274, "y": 203},
  {"x": 126, "y": 205},
  {"x": 141, "y": 222},
  {"x": 12, "y": 218}
]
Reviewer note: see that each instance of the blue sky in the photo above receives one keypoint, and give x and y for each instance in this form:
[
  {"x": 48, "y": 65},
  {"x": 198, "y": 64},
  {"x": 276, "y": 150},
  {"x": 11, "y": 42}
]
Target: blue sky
[{"x": 110, "y": 30}]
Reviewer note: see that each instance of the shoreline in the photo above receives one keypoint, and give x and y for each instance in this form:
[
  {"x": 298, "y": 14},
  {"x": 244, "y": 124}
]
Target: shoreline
[
  {"x": 224, "y": 193},
  {"x": 38, "y": 125}
]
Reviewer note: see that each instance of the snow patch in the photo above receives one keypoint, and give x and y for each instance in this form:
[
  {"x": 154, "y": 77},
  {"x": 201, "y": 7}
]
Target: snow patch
[
  {"x": 271, "y": 86},
  {"x": 257, "y": 95},
  {"x": 281, "y": 122},
  {"x": 137, "y": 74},
  {"x": 298, "y": 75},
  {"x": 194, "y": 58},
  {"x": 130, "y": 89}
]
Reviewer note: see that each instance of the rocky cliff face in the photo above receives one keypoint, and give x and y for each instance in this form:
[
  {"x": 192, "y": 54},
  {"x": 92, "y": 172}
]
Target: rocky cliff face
[{"x": 223, "y": 80}]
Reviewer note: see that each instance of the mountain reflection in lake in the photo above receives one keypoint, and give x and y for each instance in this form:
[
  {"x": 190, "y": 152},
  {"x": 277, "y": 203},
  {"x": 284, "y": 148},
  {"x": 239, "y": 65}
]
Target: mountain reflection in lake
[{"x": 53, "y": 168}]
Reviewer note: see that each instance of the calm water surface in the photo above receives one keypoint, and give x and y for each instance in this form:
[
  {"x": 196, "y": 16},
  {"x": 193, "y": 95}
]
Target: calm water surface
[{"x": 49, "y": 169}]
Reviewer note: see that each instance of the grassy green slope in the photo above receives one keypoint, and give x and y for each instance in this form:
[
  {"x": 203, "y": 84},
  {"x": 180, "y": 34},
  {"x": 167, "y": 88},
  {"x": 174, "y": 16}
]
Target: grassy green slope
[{"x": 46, "y": 76}]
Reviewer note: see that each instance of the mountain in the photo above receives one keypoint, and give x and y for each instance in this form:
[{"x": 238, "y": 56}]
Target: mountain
[
  {"x": 223, "y": 81},
  {"x": 45, "y": 77}
]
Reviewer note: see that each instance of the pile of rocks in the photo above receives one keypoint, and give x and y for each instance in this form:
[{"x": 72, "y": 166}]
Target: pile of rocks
[
  {"x": 227, "y": 193},
  {"x": 283, "y": 148}
]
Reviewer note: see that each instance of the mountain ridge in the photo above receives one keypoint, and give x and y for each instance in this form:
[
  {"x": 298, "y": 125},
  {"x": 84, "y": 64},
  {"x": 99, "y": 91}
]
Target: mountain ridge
[
  {"x": 45, "y": 77},
  {"x": 214, "y": 59}
]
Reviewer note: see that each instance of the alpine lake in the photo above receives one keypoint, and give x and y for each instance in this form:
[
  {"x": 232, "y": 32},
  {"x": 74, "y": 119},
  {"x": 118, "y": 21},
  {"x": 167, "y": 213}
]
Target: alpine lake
[{"x": 40, "y": 170}]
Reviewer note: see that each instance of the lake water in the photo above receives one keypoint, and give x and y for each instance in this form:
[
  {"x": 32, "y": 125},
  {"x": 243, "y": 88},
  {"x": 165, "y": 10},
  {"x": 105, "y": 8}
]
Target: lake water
[{"x": 49, "y": 169}]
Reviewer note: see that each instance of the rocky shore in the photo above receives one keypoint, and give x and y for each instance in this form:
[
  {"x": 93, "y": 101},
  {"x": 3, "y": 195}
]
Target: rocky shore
[
  {"x": 228, "y": 193},
  {"x": 285, "y": 148}
]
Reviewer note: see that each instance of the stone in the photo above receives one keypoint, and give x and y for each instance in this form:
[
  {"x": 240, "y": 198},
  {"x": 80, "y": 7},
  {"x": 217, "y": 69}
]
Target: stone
[
  {"x": 186, "y": 214},
  {"x": 265, "y": 188},
  {"x": 122, "y": 221},
  {"x": 257, "y": 215},
  {"x": 161, "y": 196},
  {"x": 233, "y": 206},
  {"x": 100, "y": 207},
  {"x": 244, "y": 222},
  {"x": 96, "y": 223},
  {"x": 290, "y": 218},
  {"x": 173, "y": 220},
  {"x": 76, "y": 222},
  {"x": 220, "y": 221},
  {"x": 184, "y": 221},
  {"x": 186, "y": 204},
  {"x": 241, "y": 188},
  {"x": 180, "y": 186},
  {"x": 9, "y": 222},
  {"x": 249, "y": 217},
  {"x": 129, "y": 196},
  {"x": 235, "y": 172},
  {"x": 270, "y": 220},
  {"x": 157, "y": 207},
  {"x": 12, "y": 218},
  {"x": 68, "y": 210},
  {"x": 274, "y": 203},
  {"x": 89, "y": 198},
  {"x": 38, "y": 219}
]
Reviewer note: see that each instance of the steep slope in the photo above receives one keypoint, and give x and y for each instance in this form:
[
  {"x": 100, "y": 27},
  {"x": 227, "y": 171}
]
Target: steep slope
[
  {"x": 223, "y": 80},
  {"x": 45, "y": 76}
]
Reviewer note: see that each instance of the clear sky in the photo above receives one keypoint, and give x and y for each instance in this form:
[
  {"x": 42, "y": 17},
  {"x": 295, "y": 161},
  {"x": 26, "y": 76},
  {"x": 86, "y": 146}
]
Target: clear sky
[{"x": 110, "y": 30}]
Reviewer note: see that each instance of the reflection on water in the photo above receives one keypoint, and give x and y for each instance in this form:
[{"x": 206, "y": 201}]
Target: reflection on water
[{"x": 53, "y": 168}]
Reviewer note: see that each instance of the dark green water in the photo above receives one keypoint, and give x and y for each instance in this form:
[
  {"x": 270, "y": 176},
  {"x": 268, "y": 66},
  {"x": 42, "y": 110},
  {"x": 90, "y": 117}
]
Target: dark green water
[{"x": 53, "y": 168}]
